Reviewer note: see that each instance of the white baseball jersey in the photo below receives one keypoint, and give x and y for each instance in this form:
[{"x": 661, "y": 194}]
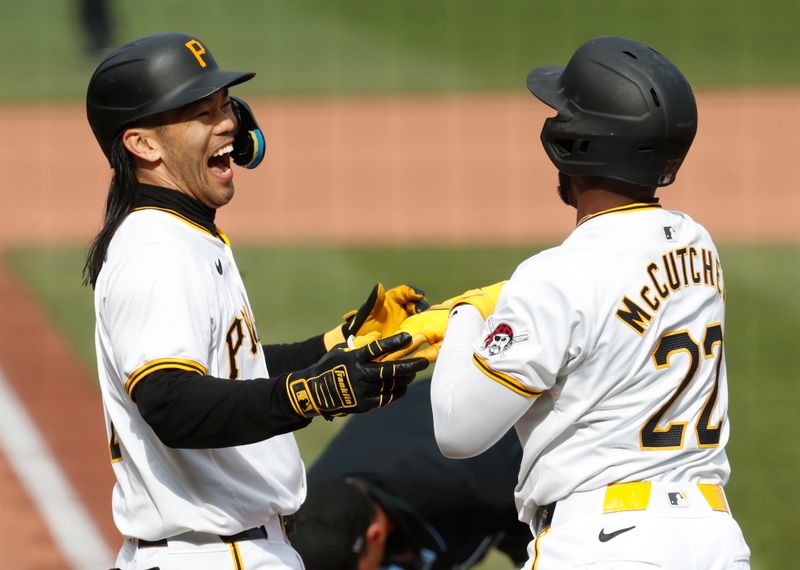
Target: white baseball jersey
[
  {"x": 616, "y": 339},
  {"x": 170, "y": 296}
]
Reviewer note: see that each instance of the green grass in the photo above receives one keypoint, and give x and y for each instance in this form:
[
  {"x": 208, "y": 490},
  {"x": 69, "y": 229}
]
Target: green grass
[
  {"x": 762, "y": 333},
  {"x": 298, "y": 292},
  {"x": 385, "y": 46}
]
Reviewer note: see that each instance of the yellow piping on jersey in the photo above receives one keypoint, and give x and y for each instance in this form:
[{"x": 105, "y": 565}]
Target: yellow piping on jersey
[
  {"x": 161, "y": 364},
  {"x": 509, "y": 382},
  {"x": 542, "y": 533},
  {"x": 621, "y": 210},
  {"x": 224, "y": 237},
  {"x": 237, "y": 556},
  {"x": 186, "y": 220}
]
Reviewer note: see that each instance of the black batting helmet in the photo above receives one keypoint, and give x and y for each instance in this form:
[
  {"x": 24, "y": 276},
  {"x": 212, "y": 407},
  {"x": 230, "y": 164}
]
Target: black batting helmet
[
  {"x": 149, "y": 76},
  {"x": 624, "y": 112}
]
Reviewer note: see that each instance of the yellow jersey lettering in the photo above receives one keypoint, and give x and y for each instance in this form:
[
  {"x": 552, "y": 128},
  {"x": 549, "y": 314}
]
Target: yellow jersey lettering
[
  {"x": 708, "y": 267},
  {"x": 114, "y": 447},
  {"x": 672, "y": 274},
  {"x": 695, "y": 275},
  {"x": 654, "y": 304},
  {"x": 250, "y": 323},
  {"x": 233, "y": 341},
  {"x": 681, "y": 252},
  {"x": 677, "y": 276},
  {"x": 663, "y": 292},
  {"x": 635, "y": 317}
]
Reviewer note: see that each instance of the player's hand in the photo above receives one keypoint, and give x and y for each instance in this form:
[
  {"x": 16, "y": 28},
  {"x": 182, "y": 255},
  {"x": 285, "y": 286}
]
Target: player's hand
[
  {"x": 429, "y": 327},
  {"x": 347, "y": 381},
  {"x": 382, "y": 312},
  {"x": 248, "y": 142}
]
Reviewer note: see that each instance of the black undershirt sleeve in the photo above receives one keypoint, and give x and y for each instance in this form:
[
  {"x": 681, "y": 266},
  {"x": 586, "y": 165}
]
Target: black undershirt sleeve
[
  {"x": 186, "y": 410},
  {"x": 284, "y": 358}
]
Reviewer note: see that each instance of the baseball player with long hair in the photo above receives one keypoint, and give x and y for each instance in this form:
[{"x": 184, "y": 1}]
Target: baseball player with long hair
[
  {"x": 199, "y": 414},
  {"x": 606, "y": 353}
]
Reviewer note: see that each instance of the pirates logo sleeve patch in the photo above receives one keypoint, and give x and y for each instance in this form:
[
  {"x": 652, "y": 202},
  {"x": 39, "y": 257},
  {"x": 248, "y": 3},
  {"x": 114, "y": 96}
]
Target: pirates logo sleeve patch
[{"x": 501, "y": 339}]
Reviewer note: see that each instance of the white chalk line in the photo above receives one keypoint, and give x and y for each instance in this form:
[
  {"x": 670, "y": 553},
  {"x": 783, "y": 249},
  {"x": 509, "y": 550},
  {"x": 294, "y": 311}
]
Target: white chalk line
[{"x": 69, "y": 522}]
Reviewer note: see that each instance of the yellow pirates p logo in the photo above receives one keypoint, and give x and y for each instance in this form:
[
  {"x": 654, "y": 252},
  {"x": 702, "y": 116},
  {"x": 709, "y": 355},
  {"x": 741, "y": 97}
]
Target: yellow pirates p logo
[{"x": 197, "y": 50}]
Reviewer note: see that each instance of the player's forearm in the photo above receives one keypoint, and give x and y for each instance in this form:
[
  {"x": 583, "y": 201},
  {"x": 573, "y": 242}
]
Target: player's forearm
[
  {"x": 188, "y": 411},
  {"x": 284, "y": 358},
  {"x": 470, "y": 411}
]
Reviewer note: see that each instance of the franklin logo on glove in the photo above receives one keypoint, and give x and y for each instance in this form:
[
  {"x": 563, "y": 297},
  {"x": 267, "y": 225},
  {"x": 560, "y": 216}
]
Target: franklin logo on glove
[{"x": 344, "y": 387}]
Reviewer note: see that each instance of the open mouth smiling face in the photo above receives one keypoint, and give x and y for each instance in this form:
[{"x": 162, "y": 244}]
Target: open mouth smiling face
[
  {"x": 219, "y": 164},
  {"x": 198, "y": 143}
]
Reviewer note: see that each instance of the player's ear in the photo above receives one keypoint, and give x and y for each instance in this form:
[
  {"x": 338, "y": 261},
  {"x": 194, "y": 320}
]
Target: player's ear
[
  {"x": 143, "y": 143},
  {"x": 374, "y": 548},
  {"x": 377, "y": 532},
  {"x": 379, "y": 529}
]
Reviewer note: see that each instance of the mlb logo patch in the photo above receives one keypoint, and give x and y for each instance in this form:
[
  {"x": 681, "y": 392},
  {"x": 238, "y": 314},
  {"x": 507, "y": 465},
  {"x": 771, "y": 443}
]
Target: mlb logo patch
[
  {"x": 678, "y": 499},
  {"x": 669, "y": 233}
]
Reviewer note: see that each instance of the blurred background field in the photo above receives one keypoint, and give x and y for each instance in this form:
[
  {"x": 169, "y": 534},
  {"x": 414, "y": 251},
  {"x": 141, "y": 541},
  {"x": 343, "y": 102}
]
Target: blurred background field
[
  {"x": 315, "y": 50},
  {"x": 307, "y": 47}
]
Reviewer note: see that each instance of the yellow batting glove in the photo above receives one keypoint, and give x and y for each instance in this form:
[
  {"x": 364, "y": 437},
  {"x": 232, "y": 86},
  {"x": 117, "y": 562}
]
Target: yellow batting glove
[
  {"x": 398, "y": 304},
  {"x": 383, "y": 312},
  {"x": 429, "y": 326},
  {"x": 483, "y": 298},
  {"x": 429, "y": 353},
  {"x": 425, "y": 327},
  {"x": 356, "y": 342}
]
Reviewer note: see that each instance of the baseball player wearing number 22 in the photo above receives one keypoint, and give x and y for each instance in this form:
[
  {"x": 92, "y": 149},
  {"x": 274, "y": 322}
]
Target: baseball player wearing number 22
[
  {"x": 199, "y": 413},
  {"x": 606, "y": 353}
]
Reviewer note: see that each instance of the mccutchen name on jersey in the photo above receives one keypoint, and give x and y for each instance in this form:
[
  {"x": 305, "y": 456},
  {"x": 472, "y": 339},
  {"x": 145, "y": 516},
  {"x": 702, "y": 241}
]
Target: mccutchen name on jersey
[{"x": 677, "y": 269}]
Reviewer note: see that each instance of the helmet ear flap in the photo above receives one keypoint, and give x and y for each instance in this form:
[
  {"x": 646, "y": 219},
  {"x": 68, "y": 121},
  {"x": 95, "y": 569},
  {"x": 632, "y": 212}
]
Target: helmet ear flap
[
  {"x": 562, "y": 147},
  {"x": 565, "y": 148}
]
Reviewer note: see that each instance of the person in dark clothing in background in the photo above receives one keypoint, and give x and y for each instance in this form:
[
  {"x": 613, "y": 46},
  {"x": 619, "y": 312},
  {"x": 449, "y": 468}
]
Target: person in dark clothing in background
[
  {"x": 382, "y": 496},
  {"x": 96, "y": 21}
]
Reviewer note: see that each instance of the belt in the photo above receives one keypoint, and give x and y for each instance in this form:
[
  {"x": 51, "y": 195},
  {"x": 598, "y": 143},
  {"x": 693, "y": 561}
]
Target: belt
[
  {"x": 639, "y": 496},
  {"x": 249, "y": 534}
]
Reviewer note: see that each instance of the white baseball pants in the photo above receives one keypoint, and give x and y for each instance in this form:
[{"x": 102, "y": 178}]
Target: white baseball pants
[
  {"x": 641, "y": 526},
  {"x": 196, "y": 551}
]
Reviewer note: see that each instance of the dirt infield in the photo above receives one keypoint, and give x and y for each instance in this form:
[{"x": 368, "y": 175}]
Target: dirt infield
[
  {"x": 65, "y": 405},
  {"x": 415, "y": 170}
]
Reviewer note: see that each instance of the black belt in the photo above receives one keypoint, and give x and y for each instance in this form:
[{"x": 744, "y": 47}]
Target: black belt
[
  {"x": 543, "y": 517},
  {"x": 249, "y": 534}
]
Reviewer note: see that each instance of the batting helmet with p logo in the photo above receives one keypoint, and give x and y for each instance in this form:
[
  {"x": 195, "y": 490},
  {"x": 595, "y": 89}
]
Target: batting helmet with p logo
[{"x": 149, "y": 76}]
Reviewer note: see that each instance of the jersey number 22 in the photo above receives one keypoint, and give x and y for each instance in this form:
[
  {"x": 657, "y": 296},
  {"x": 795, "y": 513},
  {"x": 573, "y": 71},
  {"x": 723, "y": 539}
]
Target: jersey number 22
[{"x": 654, "y": 438}]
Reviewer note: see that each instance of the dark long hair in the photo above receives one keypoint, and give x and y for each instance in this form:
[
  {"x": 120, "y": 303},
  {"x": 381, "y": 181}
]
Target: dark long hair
[{"x": 121, "y": 196}]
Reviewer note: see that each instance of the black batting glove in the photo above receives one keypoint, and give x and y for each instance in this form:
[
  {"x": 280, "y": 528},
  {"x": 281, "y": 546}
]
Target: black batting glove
[
  {"x": 248, "y": 142},
  {"x": 348, "y": 381}
]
